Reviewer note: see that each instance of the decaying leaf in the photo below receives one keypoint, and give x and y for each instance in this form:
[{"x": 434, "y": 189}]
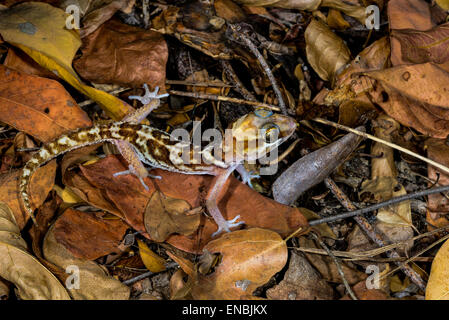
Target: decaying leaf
[
  {"x": 32, "y": 280},
  {"x": 383, "y": 184},
  {"x": 39, "y": 30},
  {"x": 122, "y": 54},
  {"x": 416, "y": 96},
  {"x": 301, "y": 282},
  {"x": 38, "y": 106},
  {"x": 88, "y": 236},
  {"x": 129, "y": 196},
  {"x": 41, "y": 183},
  {"x": 152, "y": 261},
  {"x": 93, "y": 281},
  {"x": 326, "y": 52},
  {"x": 165, "y": 215},
  {"x": 437, "y": 204},
  {"x": 438, "y": 284},
  {"x": 248, "y": 260}
]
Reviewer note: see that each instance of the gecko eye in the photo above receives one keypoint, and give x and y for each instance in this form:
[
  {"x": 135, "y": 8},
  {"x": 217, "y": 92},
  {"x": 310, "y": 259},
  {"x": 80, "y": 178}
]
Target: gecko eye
[{"x": 270, "y": 132}]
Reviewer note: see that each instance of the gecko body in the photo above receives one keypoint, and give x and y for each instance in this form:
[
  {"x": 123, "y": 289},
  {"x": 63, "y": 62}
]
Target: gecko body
[{"x": 142, "y": 143}]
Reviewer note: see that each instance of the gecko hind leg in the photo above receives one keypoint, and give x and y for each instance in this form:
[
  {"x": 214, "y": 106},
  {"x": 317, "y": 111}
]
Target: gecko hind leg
[
  {"x": 135, "y": 166},
  {"x": 212, "y": 207}
]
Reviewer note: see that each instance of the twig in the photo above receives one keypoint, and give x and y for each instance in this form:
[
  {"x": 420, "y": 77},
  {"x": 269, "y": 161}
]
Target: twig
[
  {"x": 222, "y": 98},
  {"x": 239, "y": 87},
  {"x": 337, "y": 263},
  {"x": 199, "y": 84},
  {"x": 390, "y": 144},
  {"x": 243, "y": 38},
  {"x": 379, "y": 205},
  {"x": 372, "y": 233}
]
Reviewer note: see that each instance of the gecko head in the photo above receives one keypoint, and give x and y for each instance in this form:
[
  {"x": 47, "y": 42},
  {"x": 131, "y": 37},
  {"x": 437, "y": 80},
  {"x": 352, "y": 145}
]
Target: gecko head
[{"x": 259, "y": 132}]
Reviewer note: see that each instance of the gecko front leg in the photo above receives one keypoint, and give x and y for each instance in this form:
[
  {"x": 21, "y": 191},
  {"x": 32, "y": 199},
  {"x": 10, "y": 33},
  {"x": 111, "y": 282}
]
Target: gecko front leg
[{"x": 211, "y": 202}]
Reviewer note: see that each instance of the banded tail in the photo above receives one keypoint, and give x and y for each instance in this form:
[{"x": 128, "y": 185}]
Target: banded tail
[{"x": 68, "y": 142}]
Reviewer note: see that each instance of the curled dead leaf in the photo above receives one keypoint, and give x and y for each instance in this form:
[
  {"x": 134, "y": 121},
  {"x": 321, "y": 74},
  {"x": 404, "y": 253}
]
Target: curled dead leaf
[
  {"x": 165, "y": 215},
  {"x": 32, "y": 280},
  {"x": 152, "y": 261},
  {"x": 94, "y": 281},
  {"x": 249, "y": 259},
  {"x": 438, "y": 284},
  {"x": 326, "y": 52}
]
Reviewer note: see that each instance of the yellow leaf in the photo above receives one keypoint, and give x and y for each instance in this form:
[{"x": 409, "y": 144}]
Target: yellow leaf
[
  {"x": 40, "y": 31},
  {"x": 152, "y": 261},
  {"x": 438, "y": 285},
  {"x": 67, "y": 195},
  {"x": 443, "y": 4}
]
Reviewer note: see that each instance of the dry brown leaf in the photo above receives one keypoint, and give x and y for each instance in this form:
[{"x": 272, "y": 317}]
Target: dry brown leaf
[
  {"x": 324, "y": 229},
  {"x": 19, "y": 61},
  {"x": 128, "y": 195},
  {"x": 32, "y": 280},
  {"x": 122, "y": 54},
  {"x": 407, "y": 14},
  {"x": 179, "y": 288},
  {"x": 88, "y": 236},
  {"x": 41, "y": 183},
  {"x": 326, "y": 52},
  {"x": 301, "y": 282},
  {"x": 249, "y": 258},
  {"x": 165, "y": 215},
  {"x": 438, "y": 284},
  {"x": 94, "y": 281},
  {"x": 38, "y": 106},
  {"x": 100, "y": 11},
  {"x": 437, "y": 204},
  {"x": 363, "y": 293},
  {"x": 424, "y": 46},
  {"x": 416, "y": 96},
  {"x": 40, "y": 31}
]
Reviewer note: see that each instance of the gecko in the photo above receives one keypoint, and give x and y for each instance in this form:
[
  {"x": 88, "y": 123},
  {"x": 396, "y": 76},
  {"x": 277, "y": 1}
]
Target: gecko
[{"x": 142, "y": 144}]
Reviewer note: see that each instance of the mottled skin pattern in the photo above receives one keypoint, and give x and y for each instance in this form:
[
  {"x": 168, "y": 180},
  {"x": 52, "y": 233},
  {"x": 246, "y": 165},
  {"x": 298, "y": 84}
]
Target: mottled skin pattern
[{"x": 156, "y": 148}]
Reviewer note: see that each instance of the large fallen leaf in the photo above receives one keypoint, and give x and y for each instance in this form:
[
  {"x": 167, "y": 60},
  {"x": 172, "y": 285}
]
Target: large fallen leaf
[
  {"x": 165, "y": 215},
  {"x": 416, "y": 96},
  {"x": 438, "y": 284},
  {"x": 424, "y": 46},
  {"x": 94, "y": 281},
  {"x": 88, "y": 236},
  {"x": 326, "y": 52},
  {"x": 41, "y": 183},
  {"x": 32, "y": 280},
  {"x": 122, "y": 54},
  {"x": 128, "y": 195},
  {"x": 38, "y": 106},
  {"x": 249, "y": 258},
  {"x": 40, "y": 30},
  {"x": 407, "y": 14}
]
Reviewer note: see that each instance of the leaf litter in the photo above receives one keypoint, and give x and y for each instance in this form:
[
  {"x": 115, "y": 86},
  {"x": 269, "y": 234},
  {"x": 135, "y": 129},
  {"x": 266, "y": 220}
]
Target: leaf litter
[{"x": 220, "y": 60}]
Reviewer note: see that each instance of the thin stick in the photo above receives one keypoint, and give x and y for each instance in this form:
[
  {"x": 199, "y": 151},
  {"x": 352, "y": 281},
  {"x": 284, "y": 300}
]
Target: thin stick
[
  {"x": 338, "y": 264},
  {"x": 239, "y": 35},
  {"x": 392, "y": 145},
  {"x": 379, "y": 205},
  {"x": 222, "y": 98},
  {"x": 199, "y": 84}
]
